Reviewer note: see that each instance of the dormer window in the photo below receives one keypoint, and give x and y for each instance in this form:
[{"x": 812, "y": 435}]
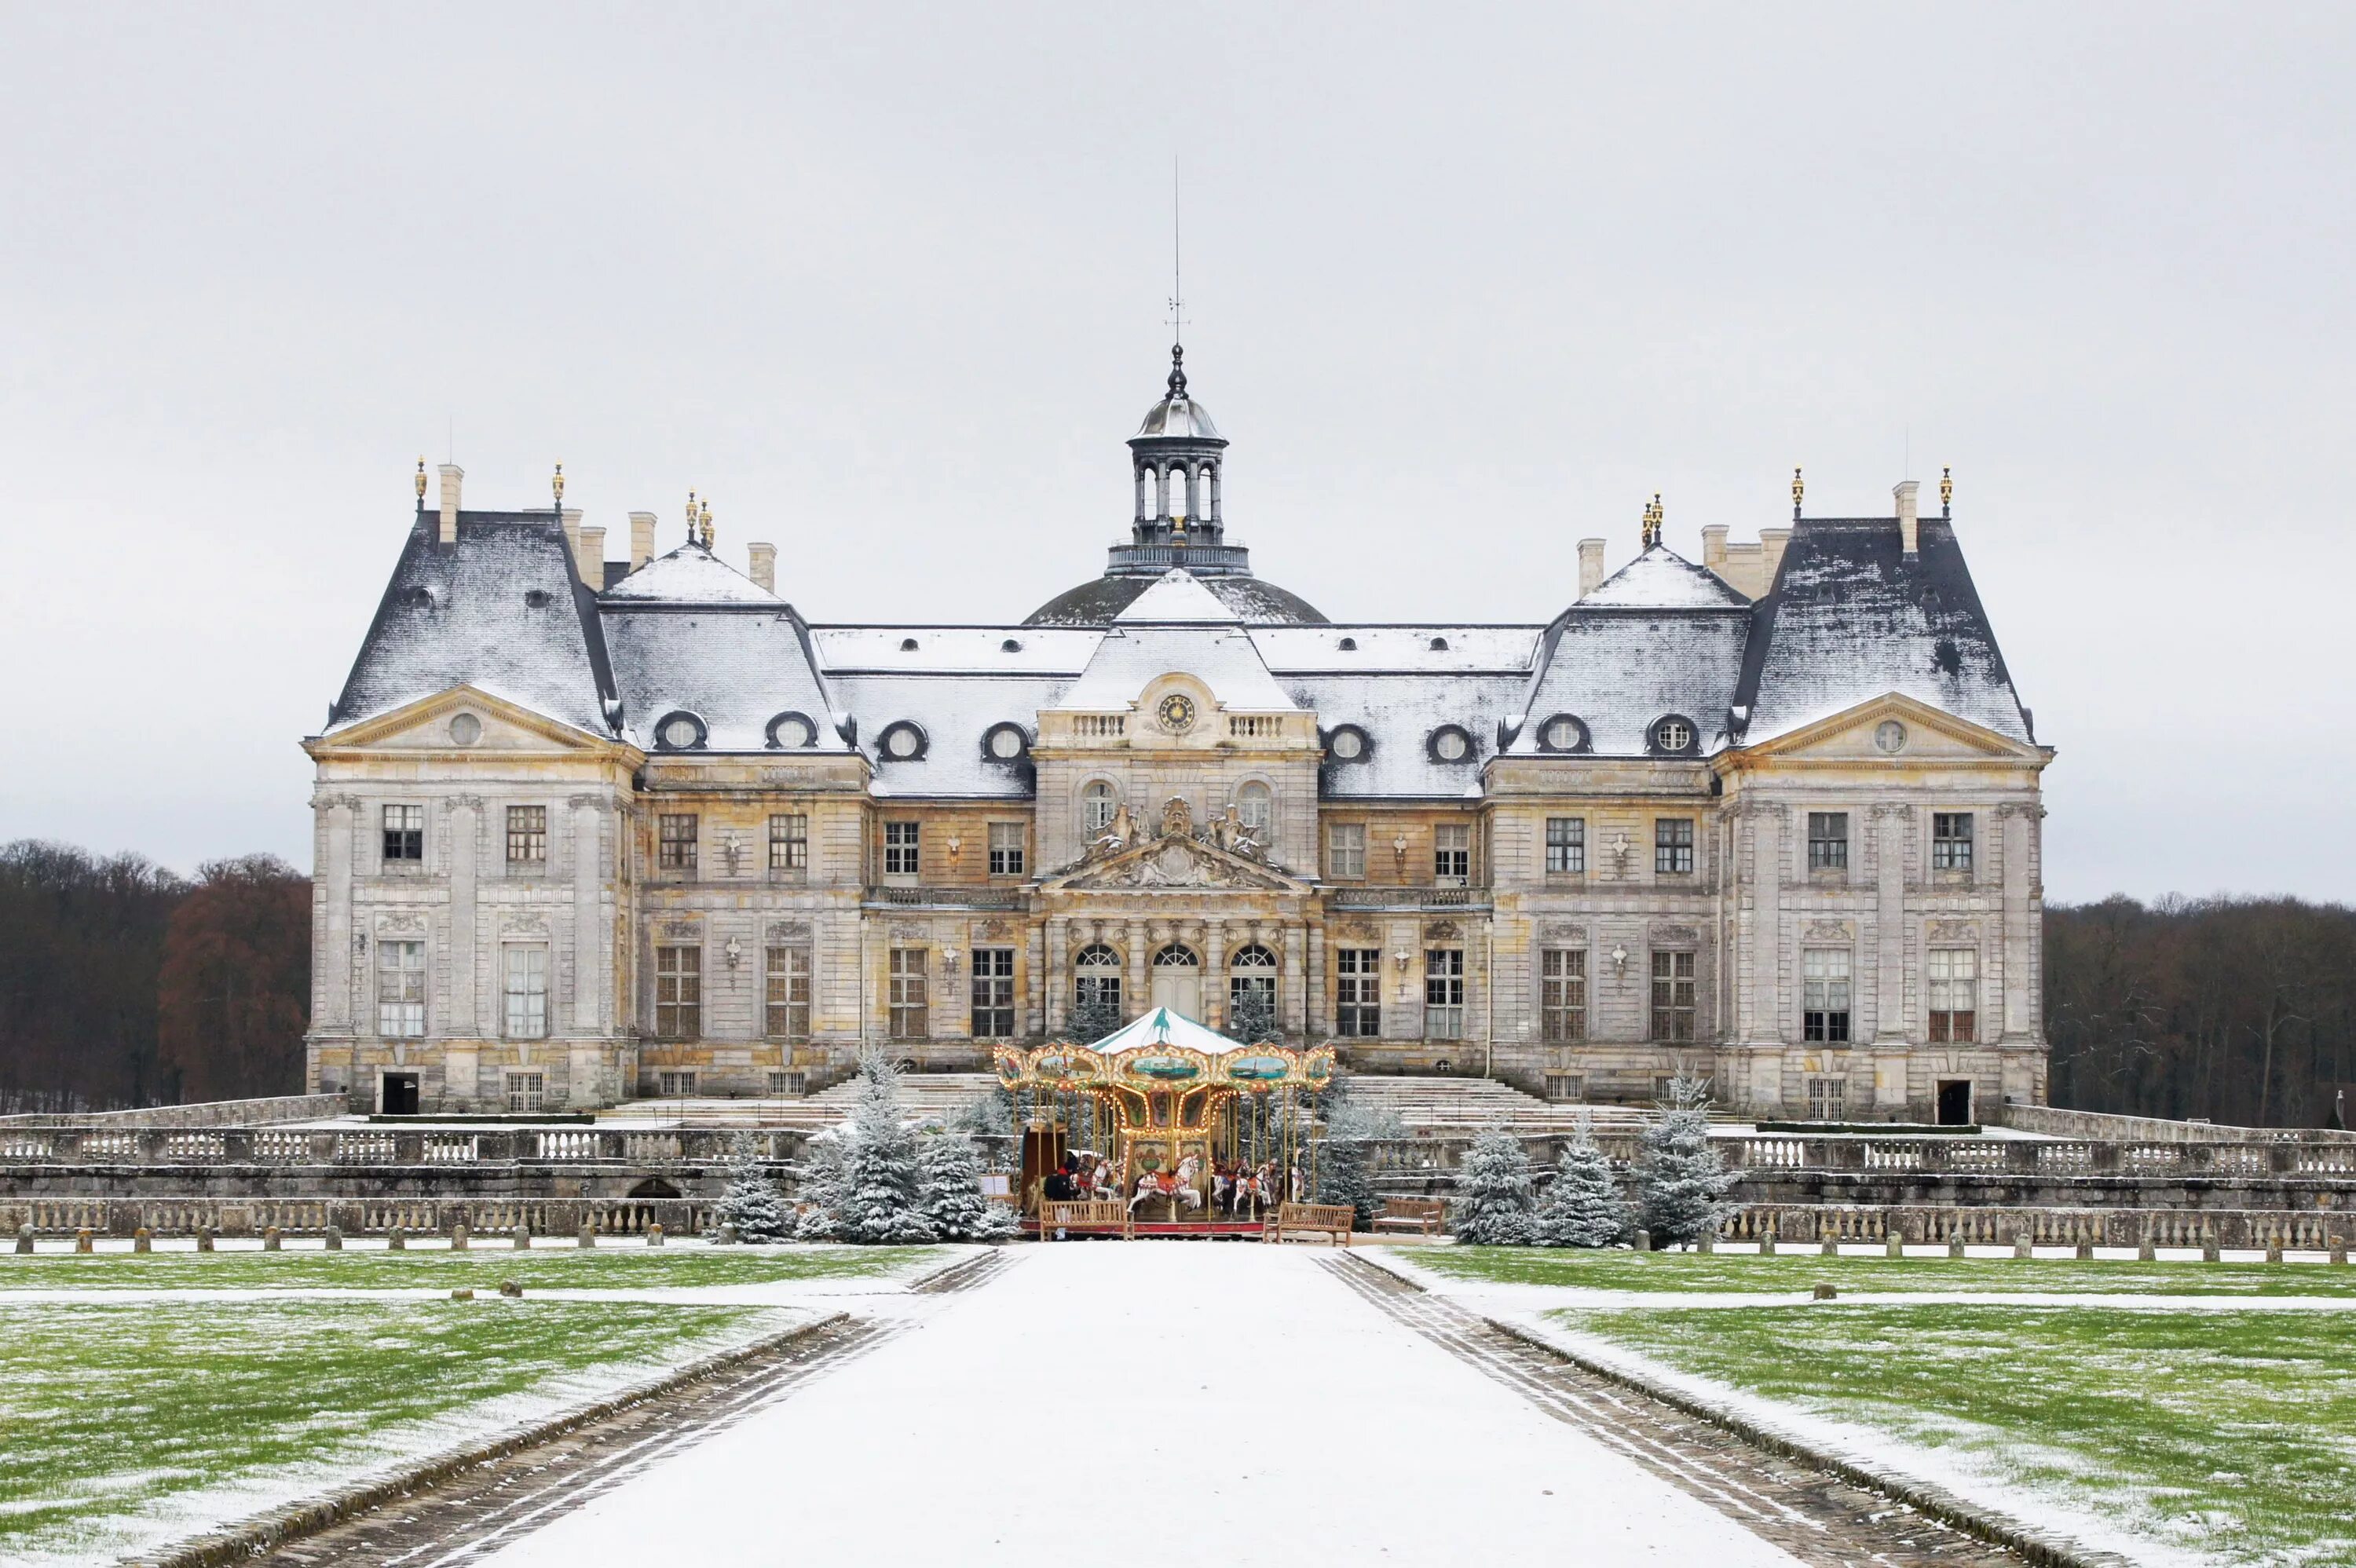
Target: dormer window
[
  {"x": 901, "y": 742},
  {"x": 1005, "y": 744},
  {"x": 908, "y": 645},
  {"x": 1562, "y": 732},
  {"x": 1348, "y": 644},
  {"x": 1440, "y": 645},
  {"x": 1347, "y": 743},
  {"x": 791, "y": 732},
  {"x": 1009, "y": 646},
  {"x": 1451, "y": 743},
  {"x": 678, "y": 731},
  {"x": 1672, "y": 736}
]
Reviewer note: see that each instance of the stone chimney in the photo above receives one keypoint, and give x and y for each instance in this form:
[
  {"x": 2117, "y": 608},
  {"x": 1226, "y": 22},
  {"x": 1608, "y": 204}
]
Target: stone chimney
[
  {"x": 1770, "y": 547},
  {"x": 765, "y": 565},
  {"x": 593, "y": 558},
  {"x": 642, "y": 539},
  {"x": 1910, "y": 528},
  {"x": 451, "y": 477},
  {"x": 1713, "y": 548},
  {"x": 1590, "y": 566},
  {"x": 572, "y": 539}
]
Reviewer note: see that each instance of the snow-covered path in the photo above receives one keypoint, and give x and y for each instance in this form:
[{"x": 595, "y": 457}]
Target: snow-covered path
[{"x": 1220, "y": 1404}]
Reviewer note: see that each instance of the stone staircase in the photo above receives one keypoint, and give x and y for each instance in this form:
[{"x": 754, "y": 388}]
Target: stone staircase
[
  {"x": 924, "y": 1096},
  {"x": 1444, "y": 1106}
]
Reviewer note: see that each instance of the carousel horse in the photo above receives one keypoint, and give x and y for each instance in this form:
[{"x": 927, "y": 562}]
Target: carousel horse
[{"x": 1176, "y": 1186}]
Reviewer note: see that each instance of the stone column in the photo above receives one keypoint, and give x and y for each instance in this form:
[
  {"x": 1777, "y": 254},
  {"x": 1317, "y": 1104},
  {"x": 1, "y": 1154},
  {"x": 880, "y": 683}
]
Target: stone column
[
  {"x": 1293, "y": 991},
  {"x": 1034, "y": 983},
  {"x": 1315, "y": 1012},
  {"x": 466, "y": 990},
  {"x": 337, "y": 946},
  {"x": 1764, "y": 1016},
  {"x": 1058, "y": 985},
  {"x": 590, "y": 948},
  {"x": 1141, "y": 990},
  {"x": 1890, "y": 826},
  {"x": 2016, "y": 825},
  {"x": 1214, "y": 975}
]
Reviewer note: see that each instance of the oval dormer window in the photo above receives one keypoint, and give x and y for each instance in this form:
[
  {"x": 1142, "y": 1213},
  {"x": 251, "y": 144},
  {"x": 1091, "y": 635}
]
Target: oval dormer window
[
  {"x": 790, "y": 730},
  {"x": 679, "y": 732},
  {"x": 1561, "y": 733},
  {"x": 1451, "y": 743},
  {"x": 1889, "y": 737},
  {"x": 1347, "y": 744},
  {"x": 1005, "y": 744},
  {"x": 1672, "y": 734},
  {"x": 466, "y": 729},
  {"x": 902, "y": 741}
]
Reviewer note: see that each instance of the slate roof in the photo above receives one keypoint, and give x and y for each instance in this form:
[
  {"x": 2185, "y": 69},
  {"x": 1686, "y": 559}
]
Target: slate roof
[
  {"x": 1661, "y": 579},
  {"x": 1255, "y": 600}
]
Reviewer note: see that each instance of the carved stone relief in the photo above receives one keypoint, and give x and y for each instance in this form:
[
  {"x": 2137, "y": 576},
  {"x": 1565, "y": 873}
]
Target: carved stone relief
[
  {"x": 787, "y": 930},
  {"x": 1953, "y": 931},
  {"x": 1829, "y": 931}
]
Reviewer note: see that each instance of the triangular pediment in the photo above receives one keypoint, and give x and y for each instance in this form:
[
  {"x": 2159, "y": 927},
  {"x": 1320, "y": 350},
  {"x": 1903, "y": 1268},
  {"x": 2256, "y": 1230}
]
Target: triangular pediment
[
  {"x": 1174, "y": 861},
  {"x": 433, "y": 724},
  {"x": 1927, "y": 734}
]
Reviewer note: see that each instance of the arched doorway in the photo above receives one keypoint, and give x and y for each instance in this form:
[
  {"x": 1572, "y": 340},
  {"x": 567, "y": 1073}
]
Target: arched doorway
[{"x": 1178, "y": 981}]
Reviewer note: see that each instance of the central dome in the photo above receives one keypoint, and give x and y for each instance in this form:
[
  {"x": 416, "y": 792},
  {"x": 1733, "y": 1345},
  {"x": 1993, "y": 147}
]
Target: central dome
[
  {"x": 1179, "y": 415},
  {"x": 1096, "y": 602}
]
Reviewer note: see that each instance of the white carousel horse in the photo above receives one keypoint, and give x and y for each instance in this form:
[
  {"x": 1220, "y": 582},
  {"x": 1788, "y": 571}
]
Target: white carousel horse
[{"x": 1178, "y": 1187}]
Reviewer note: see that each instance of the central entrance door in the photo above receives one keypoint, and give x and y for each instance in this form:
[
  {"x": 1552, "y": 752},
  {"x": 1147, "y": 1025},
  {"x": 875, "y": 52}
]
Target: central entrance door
[{"x": 1178, "y": 981}]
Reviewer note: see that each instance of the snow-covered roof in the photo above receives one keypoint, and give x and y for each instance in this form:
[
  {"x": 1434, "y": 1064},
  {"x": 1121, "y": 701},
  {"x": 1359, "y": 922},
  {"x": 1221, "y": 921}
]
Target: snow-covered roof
[
  {"x": 691, "y": 575},
  {"x": 956, "y": 650},
  {"x": 954, "y": 712},
  {"x": 1435, "y": 648},
  {"x": 1622, "y": 671},
  {"x": 1661, "y": 579},
  {"x": 1222, "y": 657},
  {"x": 736, "y": 668},
  {"x": 1399, "y": 713},
  {"x": 1177, "y": 595}
]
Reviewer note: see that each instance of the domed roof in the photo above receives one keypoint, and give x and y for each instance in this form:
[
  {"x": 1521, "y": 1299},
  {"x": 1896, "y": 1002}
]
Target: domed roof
[
  {"x": 1096, "y": 602},
  {"x": 1177, "y": 417}
]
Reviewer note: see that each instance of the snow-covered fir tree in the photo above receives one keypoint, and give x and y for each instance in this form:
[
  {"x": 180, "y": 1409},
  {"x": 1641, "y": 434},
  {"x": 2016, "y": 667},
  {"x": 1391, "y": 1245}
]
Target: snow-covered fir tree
[
  {"x": 1494, "y": 1203},
  {"x": 821, "y": 1191},
  {"x": 877, "y": 1201},
  {"x": 1681, "y": 1182},
  {"x": 948, "y": 1192},
  {"x": 1583, "y": 1208},
  {"x": 750, "y": 1203},
  {"x": 1345, "y": 1161}
]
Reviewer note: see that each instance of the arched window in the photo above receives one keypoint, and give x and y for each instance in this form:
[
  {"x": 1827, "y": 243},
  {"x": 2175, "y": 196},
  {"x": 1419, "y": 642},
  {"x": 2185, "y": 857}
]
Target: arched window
[
  {"x": 1256, "y": 809},
  {"x": 1098, "y": 803},
  {"x": 1096, "y": 991},
  {"x": 1254, "y": 956},
  {"x": 1251, "y": 993},
  {"x": 1176, "y": 956}
]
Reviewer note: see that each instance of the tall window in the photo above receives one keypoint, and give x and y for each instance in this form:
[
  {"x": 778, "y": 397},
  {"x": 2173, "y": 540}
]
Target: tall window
[
  {"x": 909, "y": 1019},
  {"x": 401, "y": 988},
  {"x": 1825, "y": 992},
  {"x": 1256, "y": 809},
  {"x": 1097, "y": 804},
  {"x": 675, "y": 842},
  {"x": 1828, "y": 1099},
  {"x": 1673, "y": 846},
  {"x": 1953, "y": 973},
  {"x": 1006, "y": 848},
  {"x": 1359, "y": 992},
  {"x": 1096, "y": 990},
  {"x": 526, "y": 836},
  {"x": 526, "y": 991},
  {"x": 1566, "y": 844},
  {"x": 1451, "y": 854},
  {"x": 1345, "y": 849},
  {"x": 1673, "y": 996},
  {"x": 677, "y": 1084},
  {"x": 526, "y": 1092},
  {"x": 1828, "y": 841},
  {"x": 901, "y": 841},
  {"x": 785, "y": 993},
  {"x": 678, "y": 991},
  {"x": 1251, "y": 993},
  {"x": 1562, "y": 993},
  {"x": 788, "y": 842},
  {"x": 404, "y": 834},
  {"x": 993, "y": 993},
  {"x": 1951, "y": 841},
  {"x": 1443, "y": 993}
]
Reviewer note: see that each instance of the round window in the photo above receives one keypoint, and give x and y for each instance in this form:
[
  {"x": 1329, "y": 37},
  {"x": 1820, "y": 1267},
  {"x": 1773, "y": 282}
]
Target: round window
[
  {"x": 467, "y": 729},
  {"x": 1347, "y": 744},
  {"x": 1560, "y": 734},
  {"x": 680, "y": 732},
  {"x": 1451, "y": 745},
  {"x": 902, "y": 741},
  {"x": 1672, "y": 734},
  {"x": 1006, "y": 742},
  {"x": 792, "y": 730},
  {"x": 1889, "y": 735}
]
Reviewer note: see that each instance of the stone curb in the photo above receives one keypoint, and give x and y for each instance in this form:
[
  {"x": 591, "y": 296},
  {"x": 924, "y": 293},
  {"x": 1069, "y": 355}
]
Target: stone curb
[
  {"x": 1981, "y": 1523},
  {"x": 269, "y": 1531}
]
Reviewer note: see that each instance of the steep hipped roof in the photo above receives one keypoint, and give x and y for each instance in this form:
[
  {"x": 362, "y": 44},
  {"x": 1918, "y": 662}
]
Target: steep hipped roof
[
  {"x": 1176, "y": 595},
  {"x": 1221, "y": 657},
  {"x": 1621, "y": 671},
  {"x": 1661, "y": 579},
  {"x": 735, "y": 666},
  {"x": 691, "y": 575}
]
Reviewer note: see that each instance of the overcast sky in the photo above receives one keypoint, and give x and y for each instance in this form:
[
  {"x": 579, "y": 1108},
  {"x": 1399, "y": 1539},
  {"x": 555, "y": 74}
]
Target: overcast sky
[{"x": 889, "y": 284}]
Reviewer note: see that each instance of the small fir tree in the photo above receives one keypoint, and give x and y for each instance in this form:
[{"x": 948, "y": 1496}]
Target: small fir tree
[
  {"x": 1345, "y": 1158},
  {"x": 948, "y": 1192},
  {"x": 751, "y": 1203},
  {"x": 877, "y": 1201},
  {"x": 1251, "y": 1015},
  {"x": 821, "y": 1178},
  {"x": 1583, "y": 1208},
  {"x": 1494, "y": 1207},
  {"x": 1681, "y": 1182}
]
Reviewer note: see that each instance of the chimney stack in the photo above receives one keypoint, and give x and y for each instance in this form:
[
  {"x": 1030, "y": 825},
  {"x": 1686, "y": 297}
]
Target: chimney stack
[
  {"x": 1770, "y": 549},
  {"x": 642, "y": 539},
  {"x": 571, "y": 516},
  {"x": 452, "y": 476},
  {"x": 593, "y": 558},
  {"x": 1590, "y": 566},
  {"x": 1910, "y": 529},
  {"x": 765, "y": 565},
  {"x": 1713, "y": 548}
]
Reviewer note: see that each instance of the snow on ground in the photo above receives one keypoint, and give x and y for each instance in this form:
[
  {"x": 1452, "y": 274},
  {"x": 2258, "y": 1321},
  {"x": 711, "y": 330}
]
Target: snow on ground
[{"x": 1223, "y": 1403}]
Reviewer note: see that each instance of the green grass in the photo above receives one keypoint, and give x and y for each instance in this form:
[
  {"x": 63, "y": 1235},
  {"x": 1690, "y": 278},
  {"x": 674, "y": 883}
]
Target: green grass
[
  {"x": 2224, "y": 1431},
  {"x": 106, "y": 1410},
  {"x": 553, "y": 1267},
  {"x": 1723, "y": 1272}
]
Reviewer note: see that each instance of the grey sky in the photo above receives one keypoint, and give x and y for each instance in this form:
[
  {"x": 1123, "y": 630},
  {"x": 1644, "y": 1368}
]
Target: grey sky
[{"x": 888, "y": 285}]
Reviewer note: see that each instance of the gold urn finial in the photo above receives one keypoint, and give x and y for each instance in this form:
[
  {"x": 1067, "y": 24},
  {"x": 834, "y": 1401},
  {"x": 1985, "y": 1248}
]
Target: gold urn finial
[
  {"x": 690, "y": 516},
  {"x": 557, "y": 485},
  {"x": 704, "y": 517},
  {"x": 1798, "y": 490},
  {"x": 421, "y": 483},
  {"x": 1947, "y": 490}
]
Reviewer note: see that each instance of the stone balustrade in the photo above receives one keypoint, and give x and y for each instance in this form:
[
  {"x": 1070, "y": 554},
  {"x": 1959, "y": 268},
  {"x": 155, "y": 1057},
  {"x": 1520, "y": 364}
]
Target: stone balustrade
[
  {"x": 490, "y": 1221},
  {"x": 1995, "y": 1226},
  {"x": 108, "y": 1145}
]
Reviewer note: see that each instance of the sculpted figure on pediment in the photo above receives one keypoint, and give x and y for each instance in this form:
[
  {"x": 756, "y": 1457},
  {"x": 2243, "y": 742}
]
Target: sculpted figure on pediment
[{"x": 1177, "y": 817}]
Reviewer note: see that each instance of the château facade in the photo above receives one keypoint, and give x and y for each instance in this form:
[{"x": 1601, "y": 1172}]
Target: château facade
[{"x": 590, "y": 831}]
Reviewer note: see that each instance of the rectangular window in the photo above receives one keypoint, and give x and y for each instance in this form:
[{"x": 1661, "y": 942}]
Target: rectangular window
[
  {"x": 526, "y": 836},
  {"x": 1006, "y": 848},
  {"x": 993, "y": 993},
  {"x": 908, "y": 995},
  {"x": 401, "y": 987},
  {"x": 679, "y": 992},
  {"x": 675, "y": 842},
  {"x": 1562, "y": 993},
  {"x": 1565, "y": 1086},
  {"x": 1953, "y": 973},
  {"x": 1345, "y": 849},
  {"x": 783, "y": 1084},
  {"x": 1359, "y": 992},
  {"x": 900, "y": 848},
  {"x": 1565, "y": 846},
  {"x": 1673, "y": 996},
  {"x": 677, "y": 1085},
  {"x": 1673, "y": 846},
  {"x": 1443, "y": 993},
  {"x": 1825, "y": 991},
  {"x": 1452, "y": 855},
  {"x": 404, "y": 834},
  {"x": 526, "y": 991},
  {"x": 1951, "y": 841},
  {"x": 788, "y": 842},
  {"x": 1828, "y": 841},
  {"x": 785, "y": 993},
  {"x": 1828, "y": 1099},
  {"x": 526, "y": 1092}
]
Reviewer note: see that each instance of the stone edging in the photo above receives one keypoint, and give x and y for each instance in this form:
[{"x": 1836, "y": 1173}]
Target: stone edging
[
  {"x": 266, "y": 1531},
  {"x": 1937, "y": 1502}
]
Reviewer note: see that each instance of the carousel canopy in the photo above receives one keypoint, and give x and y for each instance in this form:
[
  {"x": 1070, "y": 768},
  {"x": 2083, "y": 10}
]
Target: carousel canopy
[
  {"x": 1163, "y": 1051},
  {"x": 1161, "y": 1028}
]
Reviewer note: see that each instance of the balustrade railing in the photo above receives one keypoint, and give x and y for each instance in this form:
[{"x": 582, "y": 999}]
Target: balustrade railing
[{"x": 392, "y": 1146}]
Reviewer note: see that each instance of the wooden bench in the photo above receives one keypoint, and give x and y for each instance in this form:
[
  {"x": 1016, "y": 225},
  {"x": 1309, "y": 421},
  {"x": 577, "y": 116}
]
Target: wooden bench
[
  {"x": 1332, "y": 1220},
  {"x": 1423, "y": 1215},
  {"x": 1103, "y": 1216}
]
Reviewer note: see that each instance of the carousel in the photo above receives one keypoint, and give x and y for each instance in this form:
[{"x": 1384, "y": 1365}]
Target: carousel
[{"x": 1164, "y": 1127}]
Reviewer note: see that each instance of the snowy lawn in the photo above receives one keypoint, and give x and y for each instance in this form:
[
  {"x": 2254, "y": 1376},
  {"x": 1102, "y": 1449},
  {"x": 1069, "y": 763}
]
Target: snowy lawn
[
  {"x": 548, "y": 1267},
  {"x": 1747, "y": 1272},
  {"x": 115, "y": 1415},
  {"x": 2227, "y": 1433}
]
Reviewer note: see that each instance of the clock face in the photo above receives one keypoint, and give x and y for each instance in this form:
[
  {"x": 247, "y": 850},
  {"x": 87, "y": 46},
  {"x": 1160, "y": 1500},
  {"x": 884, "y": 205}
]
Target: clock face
[{"x": 1177, "y": 711}]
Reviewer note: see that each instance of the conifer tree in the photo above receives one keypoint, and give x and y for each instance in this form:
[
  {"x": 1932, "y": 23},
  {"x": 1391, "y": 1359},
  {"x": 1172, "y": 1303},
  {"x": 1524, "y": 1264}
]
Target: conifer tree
[
  {"x": 821, "y": 1178},
  {"x": 1583, "y": 1208},
  {"x": 1344, "y": 1159},
  {"x": 1494, "y": 1207},
  {"x": 948, "y": 1192},
  {"x": 1681, "y": 1182},
  {"x": 877, "y": 1201},
  {"x": 751, "y": 1203}
]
